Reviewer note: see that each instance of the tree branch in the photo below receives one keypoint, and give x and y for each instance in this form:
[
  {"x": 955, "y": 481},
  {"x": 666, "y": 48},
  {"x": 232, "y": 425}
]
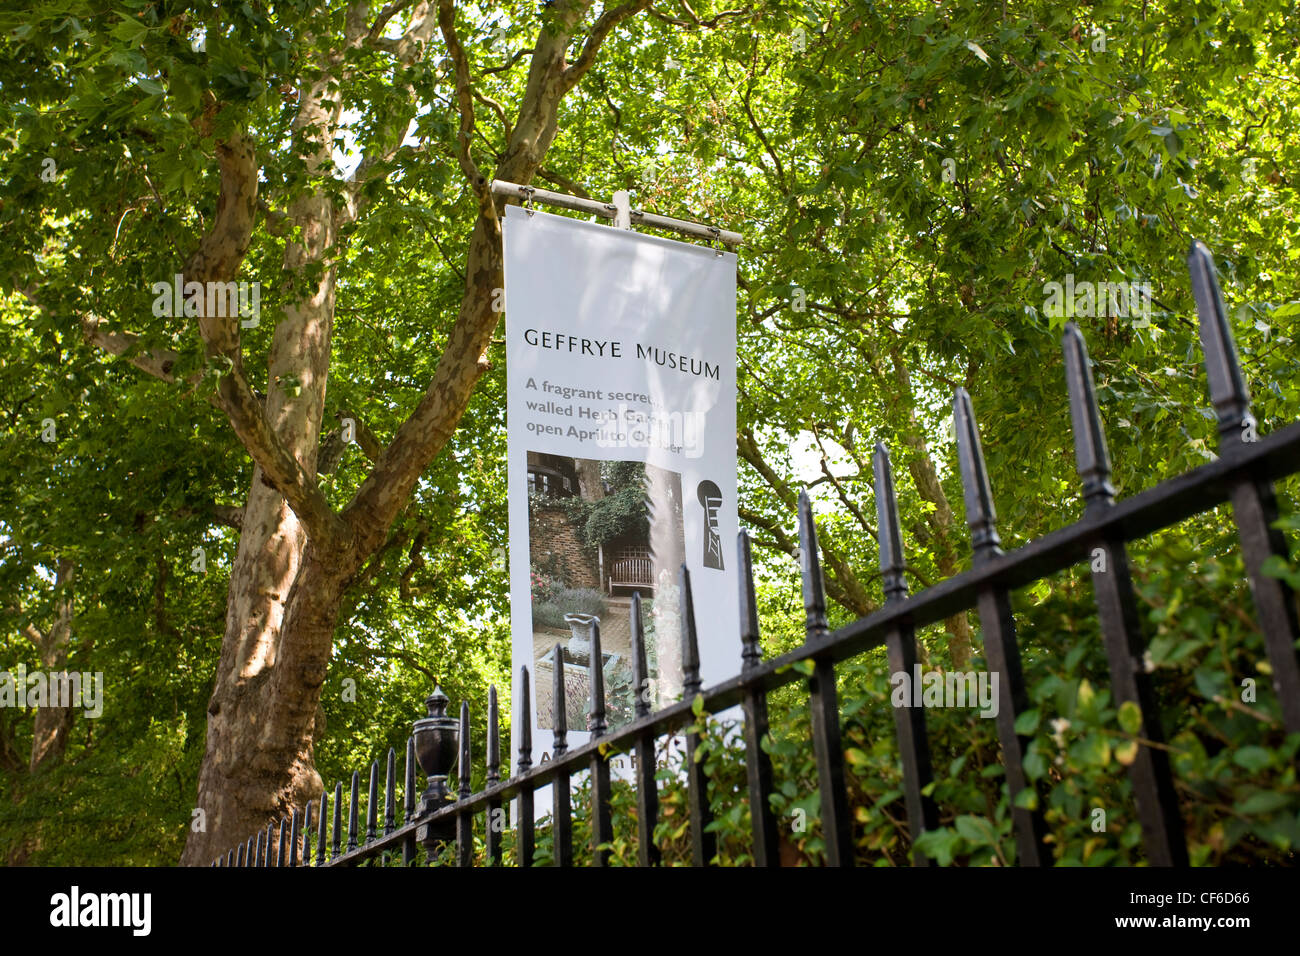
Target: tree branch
[
  {"x": 604, "y": 24},
  {"x": 464, "y": 101}
]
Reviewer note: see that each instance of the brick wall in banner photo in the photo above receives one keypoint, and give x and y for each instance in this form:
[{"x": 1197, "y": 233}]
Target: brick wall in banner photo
[{"x": 555, "y": 548}]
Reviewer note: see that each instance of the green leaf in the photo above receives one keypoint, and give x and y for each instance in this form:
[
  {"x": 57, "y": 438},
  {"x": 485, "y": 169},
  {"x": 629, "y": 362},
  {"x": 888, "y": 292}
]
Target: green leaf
[
  {"x": 1130, "y": 717},
  {"x": 976, "y": 831},
  {"x": 1035, "y": 765},
  {"x": 1253, "y": 759},
  {"x": 1027, "y": 722},
  {"x": 1093, "y": 749},
  {"x": 939, "y": 845},
  {"x": 857, "y": 757},
  {"x": 1262, "y": 801}
]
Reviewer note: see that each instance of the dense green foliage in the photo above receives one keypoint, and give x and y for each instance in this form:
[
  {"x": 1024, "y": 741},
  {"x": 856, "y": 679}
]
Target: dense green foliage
[{"x": 909, "y": 176}]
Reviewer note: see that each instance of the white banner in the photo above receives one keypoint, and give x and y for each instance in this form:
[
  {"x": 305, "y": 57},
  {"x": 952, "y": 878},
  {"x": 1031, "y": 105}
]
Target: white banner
[{"x": 621, "y": 423}]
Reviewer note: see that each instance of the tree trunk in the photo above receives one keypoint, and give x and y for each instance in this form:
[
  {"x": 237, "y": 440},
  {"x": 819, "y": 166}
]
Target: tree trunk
[
  {"x": 281, "y": 602},
  {"x": 590, "y": 487},
  {"x": 50, "y": 734}
]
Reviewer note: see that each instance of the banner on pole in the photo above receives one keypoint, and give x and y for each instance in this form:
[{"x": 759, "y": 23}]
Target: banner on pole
[{"x": 621, "y": 431}]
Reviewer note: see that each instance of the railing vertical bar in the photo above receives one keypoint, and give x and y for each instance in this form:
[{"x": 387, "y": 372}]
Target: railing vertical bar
[
  {"x": 998, "y": 623},
  {"x": 602, "y": 826},
  {"x": 353, "y": 799},
  {"x": 390, "y": 792},
  {"x": 409, "y": 846},
  {"x": 306, "y": 834},
  {"x": 465, "y": 818},
  {"x": 322, "y": 828},
  {"x": 900, "y": 646},
  {"x": 336, "y": 846},
  {"x": 1254, "y": 501},
  {"x": 266, "y": 847},
  {"x": 561, "y": 810},
  {"x": 495, "y": 814},
  {"x": 824, "y": 701},
  {"x": 758, "y": 764},
  {"x": 647, "y": 789},
  {"x": 524, "y": 837},
  {"x": 372, "y": 803},
  {"x": 1117, "y": 613},
  {"x": 704, "y": 844}
]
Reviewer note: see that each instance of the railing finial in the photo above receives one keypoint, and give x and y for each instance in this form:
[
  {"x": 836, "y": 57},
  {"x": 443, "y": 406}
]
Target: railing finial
[
  {"x": 525, "y": 759},
  {"x": 1091, "y": 457},
  {"x": 559, "y": 702},
  {"x": 596, "y": 724},
  {"x": 691, "y": 683},
  {"x": 1228, "y": 391},
  {"x": 751, "y": 654},
  {"x": 981, "y": 517},
  {"x": 810, "y": 562},
  {"x": 640, "y": 673},
  {"x": 892, "y": 564}
]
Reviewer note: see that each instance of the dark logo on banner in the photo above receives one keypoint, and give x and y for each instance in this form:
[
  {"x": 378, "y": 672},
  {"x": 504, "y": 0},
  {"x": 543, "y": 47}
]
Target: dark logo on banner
[{"x": 710, "y": 496}]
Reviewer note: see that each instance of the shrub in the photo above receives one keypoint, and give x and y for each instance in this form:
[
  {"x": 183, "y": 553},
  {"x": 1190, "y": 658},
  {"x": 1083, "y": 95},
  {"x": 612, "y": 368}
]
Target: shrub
[{"x": 559, "y": 601}]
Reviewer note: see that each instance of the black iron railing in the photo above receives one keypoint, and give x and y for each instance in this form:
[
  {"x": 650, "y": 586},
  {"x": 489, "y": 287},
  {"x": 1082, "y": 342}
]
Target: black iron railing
[{"x": 1243, "y": 475}]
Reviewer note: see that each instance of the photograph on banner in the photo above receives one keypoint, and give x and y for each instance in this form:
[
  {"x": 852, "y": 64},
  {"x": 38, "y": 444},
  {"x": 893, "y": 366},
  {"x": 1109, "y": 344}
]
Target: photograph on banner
[
  {"x": 621, "y": 456},
  {"x": 598, "y": 533}
]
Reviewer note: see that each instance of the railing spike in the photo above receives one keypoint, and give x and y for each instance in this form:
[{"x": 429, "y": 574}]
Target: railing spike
[
  {"x": 408, "y": 800},
  {"x": 494, "y": 739},
  {"x": 1228, "y": 391},
  {"x": 1092, "y": 460},
  {"x": 525, "y": 759},
  {"x": 596, "y": 724},
  {"x": 888, "y": 531},
  {"x": 338, "y": 820},
  {"x": 640, "y": 673},
  {"x": 466, "y": 786},
  {"x": 353, "y": 799},
  {"x": 981, "y": 517},
  {"x": 559, "y": 703},
  {"x": 322, "y": 828},
  {"x": 293, "y": 837},
  {"x": 690, "y": 641},
  {"x": 492, "y": 836},
  {"x": 372, "y": 803},
  {"x": 306, "y": 834},
  {"x": 390, "y": 792},
  {"x": 465, "y": 818},
  {"x": 751, "y": 654},
  {"x": 810, "y": 562},
  {"x": 266, "y": 855},
  {"x": 561, "y": 817}
]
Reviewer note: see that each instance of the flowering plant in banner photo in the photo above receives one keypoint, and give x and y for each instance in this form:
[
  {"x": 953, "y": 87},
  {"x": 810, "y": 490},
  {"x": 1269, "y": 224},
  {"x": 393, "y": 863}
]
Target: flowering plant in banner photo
[{"x": 545, "y": 589}]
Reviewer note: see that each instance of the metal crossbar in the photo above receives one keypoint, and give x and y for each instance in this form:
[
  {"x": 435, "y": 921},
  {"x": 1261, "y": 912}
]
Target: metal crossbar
[{"x": 1242, "y": 475}]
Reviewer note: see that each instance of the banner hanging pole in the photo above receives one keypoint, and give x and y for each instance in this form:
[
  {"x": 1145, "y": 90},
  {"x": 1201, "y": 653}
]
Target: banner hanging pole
[{"x": 613, "y": 211}]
